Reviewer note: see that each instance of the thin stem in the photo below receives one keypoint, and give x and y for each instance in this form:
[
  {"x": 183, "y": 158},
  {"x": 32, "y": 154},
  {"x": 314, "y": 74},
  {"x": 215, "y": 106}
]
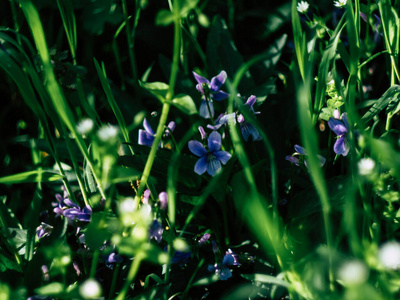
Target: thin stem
[
  {"x": 95, "y": 260},
  {"x": 164, "y": 112},
  {"x": 131, "y": 275}
]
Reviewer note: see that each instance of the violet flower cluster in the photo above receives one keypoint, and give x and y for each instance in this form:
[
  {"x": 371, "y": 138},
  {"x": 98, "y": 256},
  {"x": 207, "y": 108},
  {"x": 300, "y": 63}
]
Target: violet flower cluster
[
  {"x": 70, "y": 210},
  {"x": 212, "y": 158}
]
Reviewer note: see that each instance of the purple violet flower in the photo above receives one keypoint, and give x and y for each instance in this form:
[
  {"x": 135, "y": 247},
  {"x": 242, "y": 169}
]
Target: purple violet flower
[
  {"x": 112, "y": 259},
  {"x": 222, "y": 270},
  {"x": 43, "y": 230},
  {"x": 340, "y": 128},
  {"x": 156, "y": 231},
  {"x": 204, "y": 239},
  {"x": 246, "y": 128},
  {"x": 209, "y": 91},
  {"x": 163, "y": 198},
  {"x": 146, "y": 136},
  {"x": 211, "y": 159},
  {"x": 65, "y": 207},
  {"x": 301, "y": 153}
]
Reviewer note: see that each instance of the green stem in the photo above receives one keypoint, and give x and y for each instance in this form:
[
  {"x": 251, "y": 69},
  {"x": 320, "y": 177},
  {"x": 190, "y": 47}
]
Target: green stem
[
  {"x": 130, "y": 42},
  {"x": 164, "y": 112},
  {"x": 95, "y": 260},
  {"x": 131, "y": 275},
  {"x": 114, "y": 281}
]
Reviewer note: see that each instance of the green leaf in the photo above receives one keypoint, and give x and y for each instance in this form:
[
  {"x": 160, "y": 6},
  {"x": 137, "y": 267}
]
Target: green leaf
[
  {"x": 17, "y": 237},
  {"x": 52, "y": 289},
  {"x": 31, "y": 176},
  {"x": 264, "y": 278},
  {"x": 100, "y": 230},
  {"x": 158, "y": 89},
  {"x": 7, "y": 263},
  {"x": 164, "y": 17},
  {"x": 392, "y": 96},
  {"x": 185, "y": 103}
]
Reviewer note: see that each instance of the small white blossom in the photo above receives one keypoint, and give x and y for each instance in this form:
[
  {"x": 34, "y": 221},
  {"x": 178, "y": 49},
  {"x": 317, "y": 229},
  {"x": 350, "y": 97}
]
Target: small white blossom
[
  {"x": 366, "y": 166},
  {"x": 108, "y": 132},
  {"x": 90, "y": 289},
  {"x": 340, "y": 3},
  {"x": 389, "y": 255},
  {"x": 353, "y": 272},
  {"x": 85, "y": 126},
  {"x": 302, "y": 7}
]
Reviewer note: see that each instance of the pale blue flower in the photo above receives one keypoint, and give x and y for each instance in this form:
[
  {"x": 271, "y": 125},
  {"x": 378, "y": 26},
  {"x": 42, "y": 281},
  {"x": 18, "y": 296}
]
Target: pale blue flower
[{"x": 211, "y": 159}]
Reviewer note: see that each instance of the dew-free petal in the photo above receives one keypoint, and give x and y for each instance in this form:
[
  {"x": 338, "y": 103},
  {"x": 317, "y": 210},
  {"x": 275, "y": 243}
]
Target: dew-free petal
[
  {"x": 147, "y": 127},
  {"x": 213, "y": 164},
  {"x": 197, "y": 148},
  {"x": 200, "y": 79},
  {"x": 337, "y": 126},
  {"x": 218, "y": 81},
  {"x": 222, "y": 156},
  {"x": 145, "y": 138},
  {"x": 341, "y": 146},
  {"x": 203, "y": 110},
  {"x": 220, "y": 95},
  {"x": 214, "y": 141},
  {"x": 201, "y": 165}
]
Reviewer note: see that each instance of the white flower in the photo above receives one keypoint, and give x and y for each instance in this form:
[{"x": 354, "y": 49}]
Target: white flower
[
  {"x": 389, "y": 255},
  {"x": 85, "y": 126},
  {"x": 90, "y": 289},
  {"x": 366, "y": 166},
  {"x": 340, "y": 3},
  {"x": 108, "y": 132},
  {"x": 302, "y": 7},
  {"x": 353, "y": 272}
]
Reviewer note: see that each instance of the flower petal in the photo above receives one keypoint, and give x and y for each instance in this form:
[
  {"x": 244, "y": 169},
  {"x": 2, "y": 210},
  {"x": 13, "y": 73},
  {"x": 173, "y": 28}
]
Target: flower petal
[
  {"x": 203, "y": 110},
  {"x": 345, "y": 121},
  {"x": 250, "y": 102},
  {"x": 145, "y": 138},
  {"x": 220, "y": 95},
  {"x": 201, "y": 165},
  {"x": 218, "y": 81},
  {"x": 341, "y": 146},
  {"x": 292, "y": 159},
  {"x": 214, "y": 141},
  {"x": 200, "y": 79},
  {"x": 223, "y": 156},
  {"x": 248, "y": 130},
  {"x": 300, "y": 150},
  {"x": 213, "y": 164},
  {"x": 197, "y": 148},
  {"x": 147, "y": 127},
  {"x": 337, "y": 126}
]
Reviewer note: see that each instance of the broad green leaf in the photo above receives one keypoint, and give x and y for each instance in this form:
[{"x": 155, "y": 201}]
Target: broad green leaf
[
  {"x": 392, "y": 95},
  {"x": 17, "y": 237},
  {"x": 7, "y": 263},
  {"x": 185, "y": 103},
  {"x": 158, "y": 89},
  {"x": 31, "y": 176}
]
